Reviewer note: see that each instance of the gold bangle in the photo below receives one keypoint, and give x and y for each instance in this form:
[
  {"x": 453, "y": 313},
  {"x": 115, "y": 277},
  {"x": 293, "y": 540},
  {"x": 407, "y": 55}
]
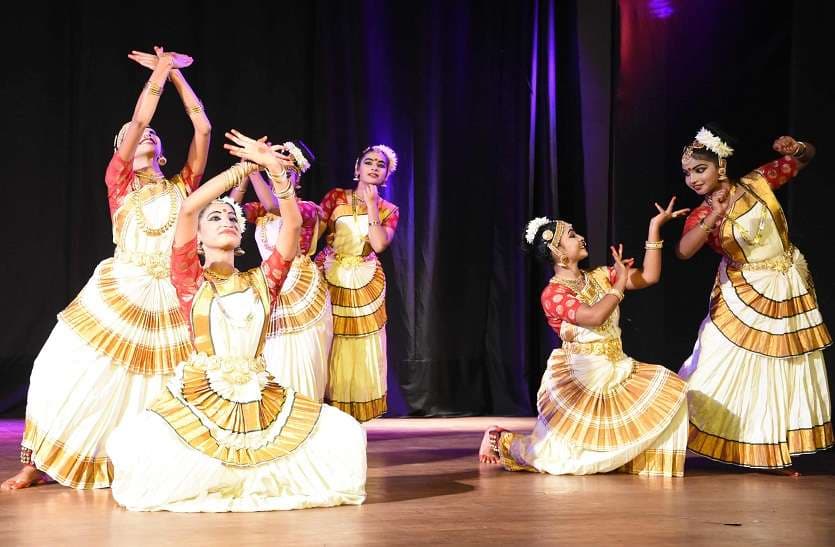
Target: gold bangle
[
  {"x": 192, "y": 110},
  {"x": 801, "y": 150},
  {"x": 616, "y": 292},
  {"x": 153, "y": 88},
  {"x": 288, "y": 193},
  {"x": 706, "y": 230},
  {"x": 654, "y": 245},
  {"x": 375, "y": 222}
]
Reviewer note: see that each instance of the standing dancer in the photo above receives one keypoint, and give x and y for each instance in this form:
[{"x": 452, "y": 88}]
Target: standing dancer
[
  {"x": 758, "y": 389},
  {"x": 117, "y": 343},
  {"x": 301, "y": 322},
  {"x": 599, "y": 409},
  {"x": 223, "y": 436},
  {"x": 360, "y": 225}
]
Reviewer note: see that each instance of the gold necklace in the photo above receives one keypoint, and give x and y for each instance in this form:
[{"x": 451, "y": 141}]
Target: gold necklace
[
  {"x": 576, "y": 285},
  {"x": 142, "y": 221},
  {"x": 745, "y": 234},
  {"x": 211, "y": 276}
]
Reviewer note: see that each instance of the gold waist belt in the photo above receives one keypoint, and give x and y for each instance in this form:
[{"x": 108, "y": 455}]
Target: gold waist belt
[
  {"x": 350, "y": 260},
  {"x": 235, "y": 370},
  {"x": 158, "y": 265},
  {"x": 779, "y": 263},
  {"x": 612, "y": 349}
]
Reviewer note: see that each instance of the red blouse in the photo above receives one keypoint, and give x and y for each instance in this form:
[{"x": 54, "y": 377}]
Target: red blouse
[
  {"x": 311, "y": 214},
  {"x": 339, "y": 196},
  {"x": 187, "y": 274},
  {"x": 119, "y": 176},
  {"x": 560, "y": 303}
]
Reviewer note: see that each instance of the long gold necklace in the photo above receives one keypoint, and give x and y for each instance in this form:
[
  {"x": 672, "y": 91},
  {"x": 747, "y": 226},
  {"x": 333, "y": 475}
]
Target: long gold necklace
[
  {"x": 743, "y": 232},
  {"x": 142, "y": 221},
  {"x": 213, "y": 277}
]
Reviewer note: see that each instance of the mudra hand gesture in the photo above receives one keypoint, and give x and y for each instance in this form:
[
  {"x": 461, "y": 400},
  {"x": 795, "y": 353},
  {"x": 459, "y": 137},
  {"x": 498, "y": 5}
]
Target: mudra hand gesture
[
  {"x": 719, "y": 201},
  {"x": 257, "y": 151},
  {"x": 149, "y": 60},
  {"x": 666, "y": 214},
  {"x": 786, "y": 146},
  {"x": 621, "y": 266},
  {"x": 370, "y": 196}
]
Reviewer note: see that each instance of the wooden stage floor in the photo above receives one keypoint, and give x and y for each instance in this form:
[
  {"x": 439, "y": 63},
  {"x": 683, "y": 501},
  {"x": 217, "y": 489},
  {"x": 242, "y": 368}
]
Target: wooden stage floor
[{"x": 425, "y": 486}]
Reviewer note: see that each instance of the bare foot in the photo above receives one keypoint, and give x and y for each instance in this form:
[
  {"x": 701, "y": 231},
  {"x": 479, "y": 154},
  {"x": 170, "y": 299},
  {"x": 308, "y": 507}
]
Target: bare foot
[
  {"x": 488, "y": 452},
  {"x": 785, "y": 472},
  {"x": 26, "y": 477}
]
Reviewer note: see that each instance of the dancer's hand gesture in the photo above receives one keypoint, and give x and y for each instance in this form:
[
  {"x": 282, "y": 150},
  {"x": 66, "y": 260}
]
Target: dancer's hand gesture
[
  {"x": 621, "y": 266},
  {"x": 785, "y": 145},
  {"x": 665, "y": 215}
]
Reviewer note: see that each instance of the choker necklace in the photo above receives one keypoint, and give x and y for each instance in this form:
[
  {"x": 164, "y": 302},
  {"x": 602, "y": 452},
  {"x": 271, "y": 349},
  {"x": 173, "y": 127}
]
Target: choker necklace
[{"x": 576, "y": 285}]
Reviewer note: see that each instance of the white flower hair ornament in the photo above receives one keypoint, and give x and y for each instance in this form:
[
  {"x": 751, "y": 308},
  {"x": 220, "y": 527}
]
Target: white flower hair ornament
[
  {"x": 390, "y": 156},
  {"x": 533, "y": 227},
  {"x": 298, "y": 156},
  {"x": 714, "y": 143},
  {"x": 239, "y": 213}
]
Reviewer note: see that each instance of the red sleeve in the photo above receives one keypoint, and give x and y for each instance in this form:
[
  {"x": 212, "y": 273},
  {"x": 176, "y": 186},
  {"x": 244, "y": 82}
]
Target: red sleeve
[
  {"x": 392, "y": 218},
  {"x": 253, "y": 210},
  {"x": 275, "y": 270},
  {"x": 190, "y": 179},
  {"x": 779, "y": 171},
  {"x": 311, "y": 215},
  {"x": 613, "y": 275},
  {"x": 329, "y": 202},
  {"x": 186, "y": 275},
  {"x": 560, "y": 304},
  {"x": 311, "y": 212},
  {"x": 118, "y": 177},
  {"x": 697, "y": 215}
]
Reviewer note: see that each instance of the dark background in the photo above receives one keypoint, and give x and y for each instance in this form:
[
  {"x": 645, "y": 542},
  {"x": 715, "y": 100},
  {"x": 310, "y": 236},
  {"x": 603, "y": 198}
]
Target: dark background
[{"x": 499, "y": 111}]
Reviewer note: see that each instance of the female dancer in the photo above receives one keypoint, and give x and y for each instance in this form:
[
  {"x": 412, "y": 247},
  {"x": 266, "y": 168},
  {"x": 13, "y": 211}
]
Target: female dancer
[
  {"x": 757, "y": 380},
  {"x": 599, "y": 410},
  {"x": 301, "y": 322},
  {"x": 360, "y": 225},
  {"x": 117, "y": 343},
  {"x": 223, "y": 436}
]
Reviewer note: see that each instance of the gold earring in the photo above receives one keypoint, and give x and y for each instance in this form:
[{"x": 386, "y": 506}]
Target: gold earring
[
  {"x": 200, "y": 248},
  {"x": 162, "y": 160},
  {"x": 239, "y": 252}
]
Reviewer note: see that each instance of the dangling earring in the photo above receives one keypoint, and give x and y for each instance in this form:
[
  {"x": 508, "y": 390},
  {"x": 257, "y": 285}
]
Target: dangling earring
[
  {"x": 239, "y": 252},
  {"x": 162, "y": 161},
  {"x": 356, "y": 177},
  {"x": 200, "y": 248},
  {"x": 723, "y": 170}
]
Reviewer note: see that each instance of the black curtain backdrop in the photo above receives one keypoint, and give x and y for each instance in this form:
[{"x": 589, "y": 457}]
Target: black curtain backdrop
[{"x": 499, "y": 111}]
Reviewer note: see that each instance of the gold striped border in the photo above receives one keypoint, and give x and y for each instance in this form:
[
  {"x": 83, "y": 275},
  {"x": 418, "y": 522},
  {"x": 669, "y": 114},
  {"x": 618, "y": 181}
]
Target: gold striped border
[
  {"x": 233, "y": 416},
  {"x": 760, "y": 455},
  {"x": 758, "y": 184},
  {"x": 309, "y": 292},
  {"x": 647, "y": 399},
  {"x": 775, "y": 309},
  {"x": 358, "y": 297},
  {"x": 790, "y": 344},
  {"x": 656, "y": 463},
  {"x": 138, "y": 357},
  {"x": 362, "y": 411},
  {"x": 202, "y": 305},
  {"x": 303, "y": 417},
  {"x": 65, "y": 466},
  {"x": 507, "y": 461},
  {"x": 360, "y": 326}
]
